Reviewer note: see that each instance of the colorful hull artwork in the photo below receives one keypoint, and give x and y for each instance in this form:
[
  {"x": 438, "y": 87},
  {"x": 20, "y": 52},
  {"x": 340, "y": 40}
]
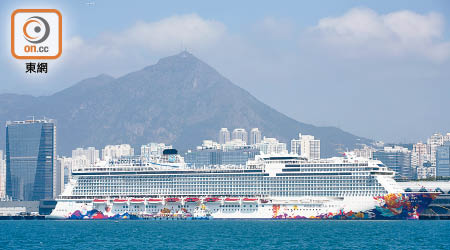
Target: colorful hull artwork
[
  {"x": 94, "y": 214},
  {"x": 392, "y": 206},
  {"x": 98, "y": 215},
  {"x": 389, "y": 207}
]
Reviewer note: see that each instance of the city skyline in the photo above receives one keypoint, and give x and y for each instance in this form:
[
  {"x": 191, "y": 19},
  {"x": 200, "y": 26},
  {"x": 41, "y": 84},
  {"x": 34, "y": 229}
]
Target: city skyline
[
  {"x": 410, "y": 164},
  {"x": 429, "y": 144}
]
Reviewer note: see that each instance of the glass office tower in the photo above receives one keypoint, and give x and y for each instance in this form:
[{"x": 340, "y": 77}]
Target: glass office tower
[
  {"x": 398, "y": 159},
  {"x": 443, "y": 160},
  {"x": 31, "y": 159}
]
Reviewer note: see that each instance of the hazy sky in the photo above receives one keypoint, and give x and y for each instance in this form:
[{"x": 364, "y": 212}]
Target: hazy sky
[{"x": 379, "y": 69}]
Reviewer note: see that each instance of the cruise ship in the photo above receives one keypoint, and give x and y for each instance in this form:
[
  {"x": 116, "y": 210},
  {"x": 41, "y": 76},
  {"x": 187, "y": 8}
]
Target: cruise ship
[{"x": 268, "y": 187}]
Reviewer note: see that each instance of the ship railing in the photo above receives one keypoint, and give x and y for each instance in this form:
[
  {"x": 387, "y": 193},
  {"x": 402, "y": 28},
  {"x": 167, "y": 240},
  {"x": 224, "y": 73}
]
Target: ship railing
[
  {"x": 224, "y": 167},
  {"x": 152, "y": 168}
]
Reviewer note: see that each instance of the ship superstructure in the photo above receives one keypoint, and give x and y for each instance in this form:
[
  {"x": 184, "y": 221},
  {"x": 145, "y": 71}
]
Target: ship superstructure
[{"x": 271, "y": 186}]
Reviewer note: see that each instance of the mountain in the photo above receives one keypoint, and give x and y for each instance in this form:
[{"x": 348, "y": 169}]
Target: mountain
[{"x": 180, "y": 100}]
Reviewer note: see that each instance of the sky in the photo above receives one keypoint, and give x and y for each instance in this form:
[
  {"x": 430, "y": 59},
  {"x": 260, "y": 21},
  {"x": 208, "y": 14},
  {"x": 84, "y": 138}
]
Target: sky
[{"x": 378, "y": 69}]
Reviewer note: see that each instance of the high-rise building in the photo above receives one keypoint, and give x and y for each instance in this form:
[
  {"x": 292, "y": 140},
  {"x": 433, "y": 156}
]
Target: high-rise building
[
  {"x": 210, "y": 156},
  {"x": 419, "y": 155},
  {"x": 233, "y": 145},
  {"x": 112, "y": 152},
  {"x": 255, "y": 136},
  {"x": 59, "y": 180},
  {"x": 443, "y": 160},
  {"x": 425, "y": 172},
  {"x": 224, "y": 136},
  {"x": 364, "y": 152},
  {"x": 153, "y": 149},
  {"x": 296, "y": 146},
  {"x": 229, "y": 146},
  {"x": 2, "y": 176},
  {"x": 398, "y": 159},
  {"x": 271, "y": 146},
  {"x": 79, "y": 162},
  {"x": 67, "y": 164},
  {"x": 433, "y": 142},
  {"x": 210, "y": 144},
  {"x": 64, "y": 166},
  {"x": 378, "y": 144},
  {"x": 91, "y": 154},
  {"x": 82, "y": 158},
  {"x": 31, "y": 159},
  {"x": 446, "y": 137},
  {"x": 306, "y": 146},
  {"x": 240, "y": 134}
]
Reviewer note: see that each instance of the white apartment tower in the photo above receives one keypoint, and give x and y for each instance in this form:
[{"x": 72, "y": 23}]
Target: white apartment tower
[
  {"x": 447, "y": 137},
  {"x": 2, "y": 176},
  {"x": 364, "y": 152},
  {"x": 111, "y": 152},
  {"x": 425, "y": 172},
  {"x": 59, "y": 181},
  {"x": 67, "y": 164},
  {"x": 433, "y": 142},
  {"x": 296, "y": 146},
  {"x": 224, "y": 136},
  {"x": 233, "y": 145},
  {"x": 153, "y": 149},
  {"x": 419, "y": 154},
  {"x": 306, "y": 146},
  {"x": 271, "y": 146},
  {"x": 91, "y": 154},
  {"x": 255, "y": 136},
  {"x": 240, "y": 134}
]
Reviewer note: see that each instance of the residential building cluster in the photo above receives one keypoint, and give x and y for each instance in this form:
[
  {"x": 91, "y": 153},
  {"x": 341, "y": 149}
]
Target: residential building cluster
[
  {"x": 419, "y": 161},
  {"x": 111, "y": 152},
  {"x": 237, "y": 148}
]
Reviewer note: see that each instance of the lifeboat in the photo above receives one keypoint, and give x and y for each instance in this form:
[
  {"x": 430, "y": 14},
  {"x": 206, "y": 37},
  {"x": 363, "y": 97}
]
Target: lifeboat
[
  {"x": 99, "y": 201},
  {"x": 249, "y": 200},
  {"x": 172, "y": 199},
  {"x": 191, "y": 199},
  {"x": 229, "y": 199},
  {"x": 137, "y": 200},
  {"x": 154, "y": 200},
  {"x": 120, "y": 201},
  {"x": 211, "y": 199}
]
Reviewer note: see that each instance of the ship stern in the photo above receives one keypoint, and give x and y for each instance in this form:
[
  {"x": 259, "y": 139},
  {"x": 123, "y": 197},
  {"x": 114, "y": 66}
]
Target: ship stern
[{"x": 403, "y": 205}]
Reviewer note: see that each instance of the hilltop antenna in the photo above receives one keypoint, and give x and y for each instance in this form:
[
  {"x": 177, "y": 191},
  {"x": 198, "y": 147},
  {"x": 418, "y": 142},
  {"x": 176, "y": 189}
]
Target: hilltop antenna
[{"x": 183, "y": 48}]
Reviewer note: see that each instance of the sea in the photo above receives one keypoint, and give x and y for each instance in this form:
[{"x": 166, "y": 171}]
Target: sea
[{"x": 225, "y": 234}]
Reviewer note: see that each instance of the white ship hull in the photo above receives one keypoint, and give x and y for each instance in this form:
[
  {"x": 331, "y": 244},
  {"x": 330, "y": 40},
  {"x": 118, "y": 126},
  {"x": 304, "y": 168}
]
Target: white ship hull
[{"x": 361, "y": 207}]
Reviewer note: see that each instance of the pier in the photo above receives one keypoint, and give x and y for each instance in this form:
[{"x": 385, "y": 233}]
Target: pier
[
  {"x": 439, "y": 209},
  {"x": 22, "y": 217}
]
